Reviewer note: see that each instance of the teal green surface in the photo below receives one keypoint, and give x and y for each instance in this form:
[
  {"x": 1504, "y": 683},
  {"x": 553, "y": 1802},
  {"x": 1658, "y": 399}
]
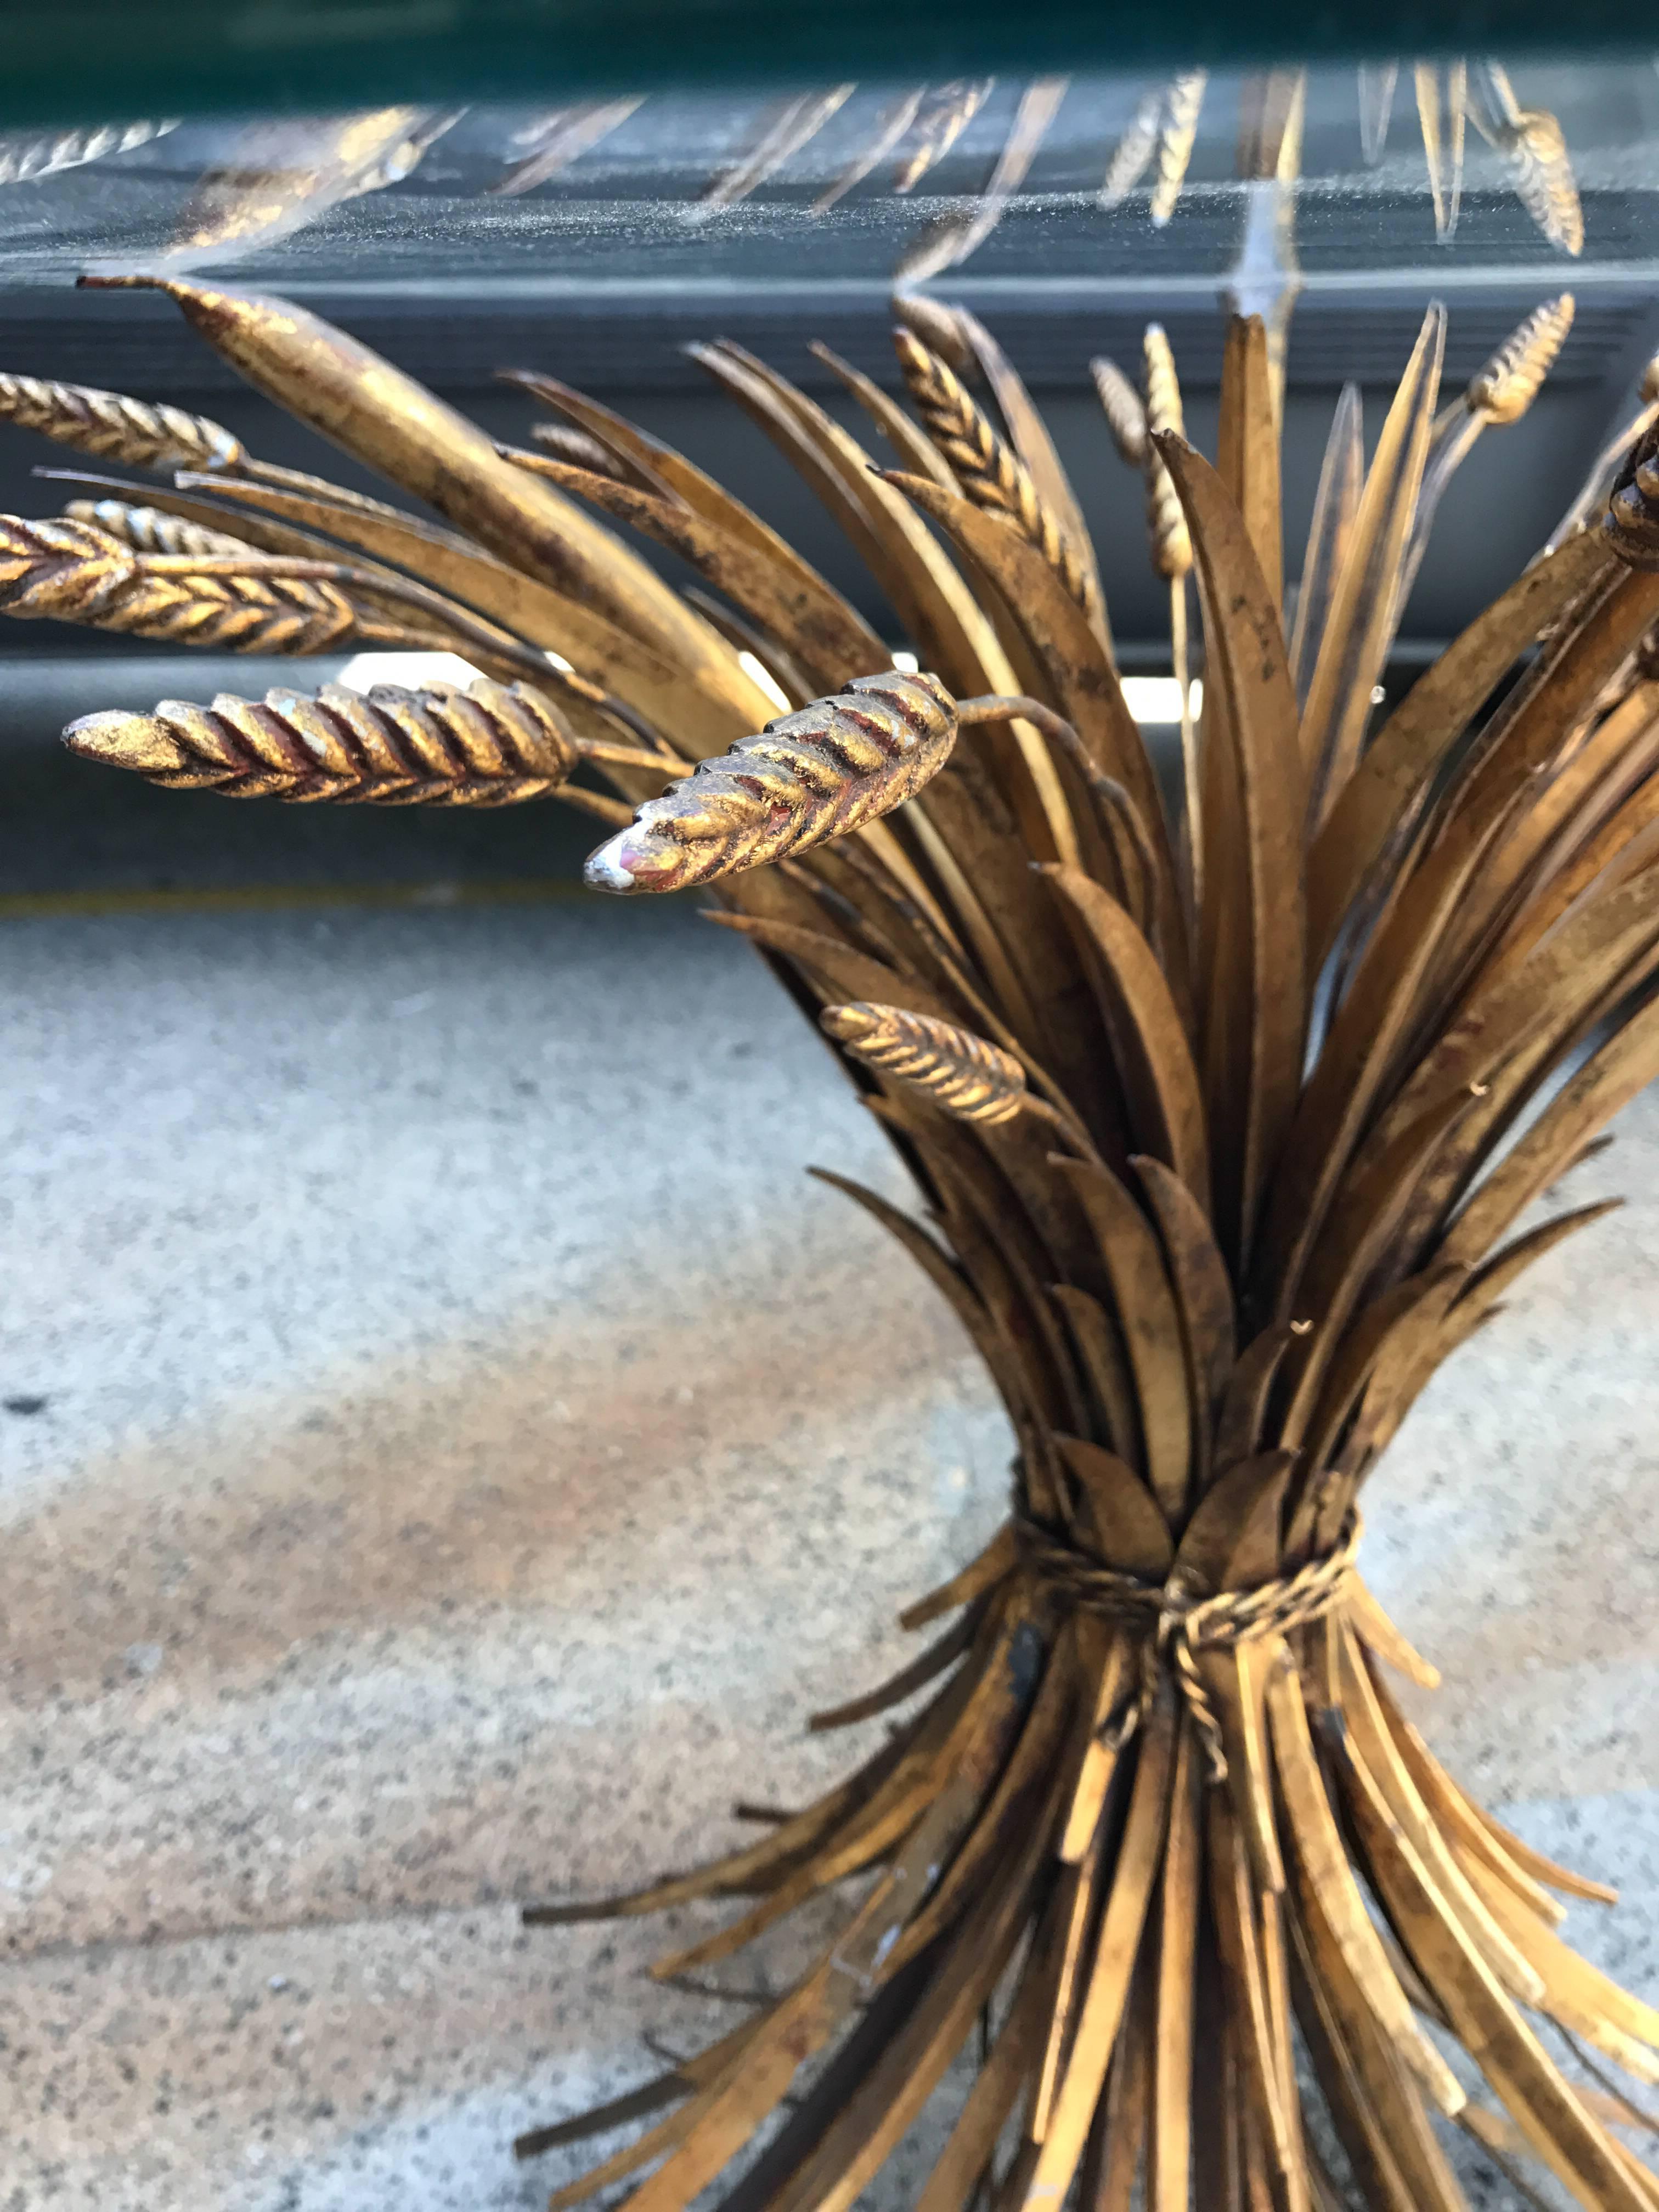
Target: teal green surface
[{"x": 75, "y": 60}]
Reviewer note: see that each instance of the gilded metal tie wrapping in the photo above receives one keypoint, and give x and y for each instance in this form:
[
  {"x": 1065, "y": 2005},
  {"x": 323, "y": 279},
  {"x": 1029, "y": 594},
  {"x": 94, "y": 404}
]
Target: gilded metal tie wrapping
[{"x": 1180, "y": 1623}]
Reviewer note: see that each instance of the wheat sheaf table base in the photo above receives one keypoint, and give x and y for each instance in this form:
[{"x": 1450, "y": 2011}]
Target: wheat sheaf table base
[{"x": 1226, "y": 1123}]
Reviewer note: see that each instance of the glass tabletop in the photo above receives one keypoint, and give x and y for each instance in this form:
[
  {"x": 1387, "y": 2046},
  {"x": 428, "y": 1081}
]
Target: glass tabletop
[{"x": 1462, "y": 172}]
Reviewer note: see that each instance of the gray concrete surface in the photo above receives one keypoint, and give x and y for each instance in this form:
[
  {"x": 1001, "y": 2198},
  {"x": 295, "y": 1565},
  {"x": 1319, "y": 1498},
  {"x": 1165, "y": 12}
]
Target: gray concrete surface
[{"x": 448, "y": 1445}]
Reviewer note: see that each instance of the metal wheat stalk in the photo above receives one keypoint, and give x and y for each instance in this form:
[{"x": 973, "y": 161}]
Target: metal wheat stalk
[{"x": 1215, "y": 1176}]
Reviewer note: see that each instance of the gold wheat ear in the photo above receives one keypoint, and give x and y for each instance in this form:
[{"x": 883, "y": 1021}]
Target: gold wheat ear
[
  {"x": 1498, "y": 394},
  {"x": 940, "y": 328},
  {"x": 487, "y": 745},
  {"x": 1503, "y": 389},
  {"x": 832, "y": 768},
  {"x": 109, "y": 565},
  {"x": 73, "y": 571},
  {"x": 151, "y": 530},
  {"x": 963, "y": 1075},
  {"x": 1215, "y": 1173},
  {"x": 986, "y": 465},
  {"x": 1124, "y": 409},
  {"x": 114, "y": 427}
]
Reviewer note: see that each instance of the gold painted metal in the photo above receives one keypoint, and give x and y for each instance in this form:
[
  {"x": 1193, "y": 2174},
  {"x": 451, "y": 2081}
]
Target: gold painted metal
[
  {"x": 210, "y": 588},
  {"x": 73, "y": 571},
  {"x": 487, "y": 746},
  {"x": 1172, "y": 557},
  {"x": 131, "y": 432},
  {"x": 1498, "y": 394},
  {"x": 951, "y": 1068},
  {"x": 1124, "y": 409},
  {"x": 1631, "y": 525},
  {"x": 1506, "y": 387},
  {"x": 836, "y": 766},
  {"x": 986, "y": 465},
  {"x": 1218, "y": 1167},
  {"x": 151, "y": 530}
]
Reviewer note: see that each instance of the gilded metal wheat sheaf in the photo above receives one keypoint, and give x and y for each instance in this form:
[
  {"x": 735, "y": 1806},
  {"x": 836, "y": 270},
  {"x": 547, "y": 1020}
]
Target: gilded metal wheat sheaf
[{"x": 1227, "y": 1122}]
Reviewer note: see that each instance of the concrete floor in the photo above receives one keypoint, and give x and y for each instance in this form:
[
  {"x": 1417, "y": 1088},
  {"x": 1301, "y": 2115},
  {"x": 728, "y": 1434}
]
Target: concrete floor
[{"x": 448, "y": 1446}]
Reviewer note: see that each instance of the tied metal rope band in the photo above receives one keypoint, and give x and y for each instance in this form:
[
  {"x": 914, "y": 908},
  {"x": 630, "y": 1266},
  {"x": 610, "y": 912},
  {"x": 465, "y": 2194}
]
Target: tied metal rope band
[{"x": 1179, "y": 1624}]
